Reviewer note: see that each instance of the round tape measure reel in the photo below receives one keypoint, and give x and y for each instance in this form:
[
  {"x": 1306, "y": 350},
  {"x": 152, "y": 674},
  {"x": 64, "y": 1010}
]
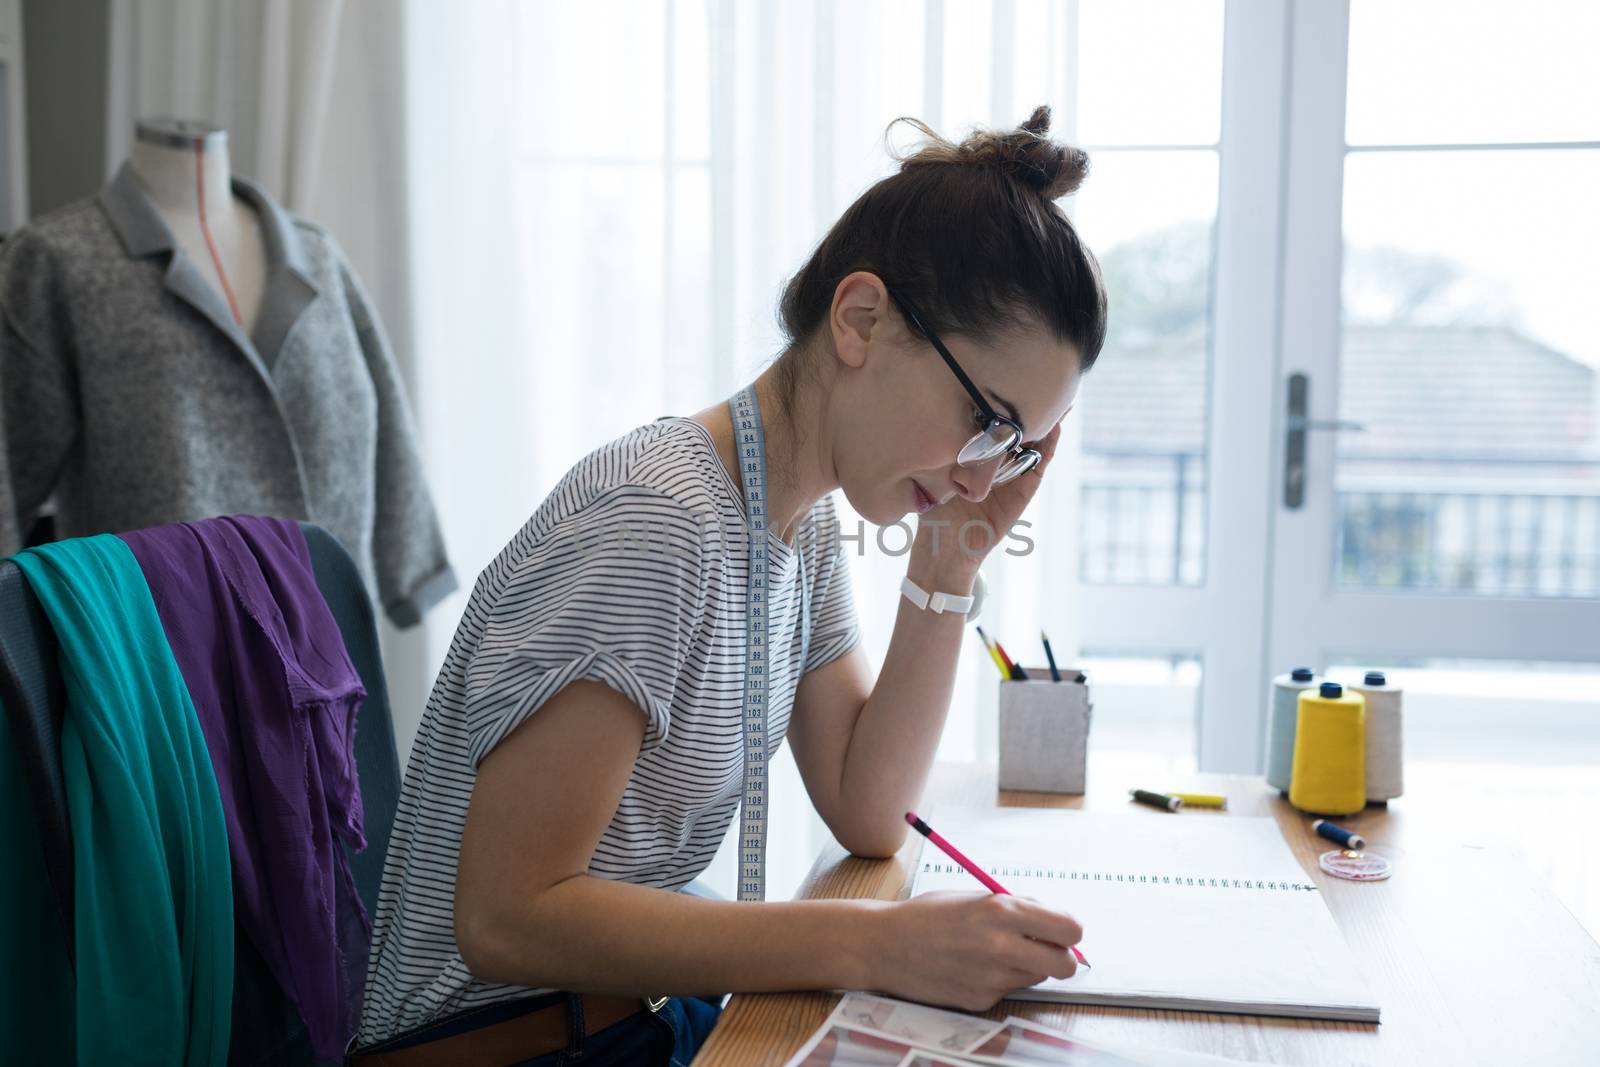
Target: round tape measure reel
[{"x": 1355, "y": 866}]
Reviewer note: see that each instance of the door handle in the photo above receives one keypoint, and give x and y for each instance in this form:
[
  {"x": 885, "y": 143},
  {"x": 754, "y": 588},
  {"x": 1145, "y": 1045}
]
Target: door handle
[
  {"x": 1296, "y": 425},
  {"x": 1300, "y": 422}
]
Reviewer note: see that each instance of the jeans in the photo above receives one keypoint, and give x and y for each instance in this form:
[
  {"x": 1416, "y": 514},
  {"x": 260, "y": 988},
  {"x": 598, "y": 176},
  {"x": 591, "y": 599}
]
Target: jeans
[{"x": 667, "y": 1038}]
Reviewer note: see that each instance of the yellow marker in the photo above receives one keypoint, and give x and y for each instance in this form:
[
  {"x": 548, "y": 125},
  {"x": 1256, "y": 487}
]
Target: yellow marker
[
  {"x": 994, "y": 654},
  {"x": 1201, "y": 800}
]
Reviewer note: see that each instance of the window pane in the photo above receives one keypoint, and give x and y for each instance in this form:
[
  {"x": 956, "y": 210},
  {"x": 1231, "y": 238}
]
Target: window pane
[
  {"x": 1149, "y": 217},
  {"x": 1523, "y": 739},
  {"x": 1146, "y": 711},
  {"x": 1470, "y": 71},
  {"x": 1149, "y": 72},
  {"x": 1471, "y": 354}
]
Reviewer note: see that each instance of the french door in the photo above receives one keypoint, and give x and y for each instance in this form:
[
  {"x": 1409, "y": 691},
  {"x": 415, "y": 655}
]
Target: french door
[{"x": 1401, "y": 457}]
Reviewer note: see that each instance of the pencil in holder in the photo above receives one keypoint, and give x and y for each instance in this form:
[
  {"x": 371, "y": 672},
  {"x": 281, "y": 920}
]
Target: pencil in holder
[{"x": 1044, "y": 733}]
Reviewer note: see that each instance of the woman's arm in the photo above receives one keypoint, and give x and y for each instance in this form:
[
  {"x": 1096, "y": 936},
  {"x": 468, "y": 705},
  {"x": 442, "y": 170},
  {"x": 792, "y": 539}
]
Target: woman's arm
[
  {"x": 527, "y": 911},
  {"x": 863, "y": 748}
]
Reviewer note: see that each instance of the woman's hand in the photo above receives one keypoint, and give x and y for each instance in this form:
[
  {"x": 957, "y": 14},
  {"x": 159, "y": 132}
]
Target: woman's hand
[
  {"x": 968, "y": 950},
  {"x": 997, "y": 512}
]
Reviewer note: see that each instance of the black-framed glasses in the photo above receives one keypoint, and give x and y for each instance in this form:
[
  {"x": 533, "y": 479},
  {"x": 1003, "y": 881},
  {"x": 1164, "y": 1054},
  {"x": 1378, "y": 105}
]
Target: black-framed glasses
[{"x": 997, "y": 435}]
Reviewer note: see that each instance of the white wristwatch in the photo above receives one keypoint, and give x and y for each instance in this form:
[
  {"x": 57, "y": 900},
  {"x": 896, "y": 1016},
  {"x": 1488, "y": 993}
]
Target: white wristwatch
[{"x": 940, "y": 603}]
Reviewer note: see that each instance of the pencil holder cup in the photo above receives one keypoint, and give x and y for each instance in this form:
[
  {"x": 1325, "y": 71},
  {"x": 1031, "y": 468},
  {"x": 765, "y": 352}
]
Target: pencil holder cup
[{"x": 1044, "y": 733}]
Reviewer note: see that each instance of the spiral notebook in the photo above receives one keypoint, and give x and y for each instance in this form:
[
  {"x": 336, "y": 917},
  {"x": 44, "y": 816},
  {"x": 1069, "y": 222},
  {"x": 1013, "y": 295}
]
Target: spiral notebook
[{"x": 1188, "y": 912}]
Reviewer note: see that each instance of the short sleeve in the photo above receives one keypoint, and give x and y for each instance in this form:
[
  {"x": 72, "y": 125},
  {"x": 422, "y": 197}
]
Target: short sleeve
[
  {"x": 613, "y": 593},
  {"x": 835, "y": 629}
]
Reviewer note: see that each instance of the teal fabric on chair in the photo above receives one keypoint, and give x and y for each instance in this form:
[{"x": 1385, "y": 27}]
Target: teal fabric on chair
[
  {"x": 154, "y": 953},
  {"x": 265, "y": 1027}
]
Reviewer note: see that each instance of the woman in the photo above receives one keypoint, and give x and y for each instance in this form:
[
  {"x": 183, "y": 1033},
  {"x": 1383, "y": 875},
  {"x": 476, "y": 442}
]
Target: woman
[{"x": 583, "y": 752}]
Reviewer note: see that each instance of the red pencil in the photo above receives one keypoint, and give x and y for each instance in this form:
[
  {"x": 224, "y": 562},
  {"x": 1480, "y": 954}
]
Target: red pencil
[
  {"x": 1010, "y": 667},
  {"x": 971, "y": 868},
  {"x": 1016, "y": 672}
]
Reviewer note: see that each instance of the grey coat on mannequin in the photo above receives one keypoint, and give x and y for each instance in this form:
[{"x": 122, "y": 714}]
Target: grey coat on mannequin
[{"x": 138, "y": 389}]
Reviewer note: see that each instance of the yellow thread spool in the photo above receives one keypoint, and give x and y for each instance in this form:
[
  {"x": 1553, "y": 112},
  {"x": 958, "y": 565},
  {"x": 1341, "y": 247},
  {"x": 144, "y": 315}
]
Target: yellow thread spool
[{"x": 1330, "y": 752}]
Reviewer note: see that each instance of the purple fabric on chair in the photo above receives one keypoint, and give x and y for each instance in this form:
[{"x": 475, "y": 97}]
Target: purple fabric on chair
[{"x": 277, "y": 698}]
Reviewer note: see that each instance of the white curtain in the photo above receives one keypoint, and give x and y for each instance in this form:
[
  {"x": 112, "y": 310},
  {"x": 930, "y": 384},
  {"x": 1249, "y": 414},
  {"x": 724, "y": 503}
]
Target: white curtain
[
  {"x": 605, "y": 202},
  {"x": 261, "y": 68}
]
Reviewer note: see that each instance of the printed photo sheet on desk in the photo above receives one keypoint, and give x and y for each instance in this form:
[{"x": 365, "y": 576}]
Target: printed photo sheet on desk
[
  {"x": 1202, "y": 912},
  {"x": 866, "y": 1030}
]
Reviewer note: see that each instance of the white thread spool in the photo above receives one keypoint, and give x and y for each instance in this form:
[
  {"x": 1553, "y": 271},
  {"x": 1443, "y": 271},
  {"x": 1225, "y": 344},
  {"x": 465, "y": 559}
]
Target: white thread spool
[
  {"x": 1286, "y": 690},
  {"x": 1385, "y": 756}
]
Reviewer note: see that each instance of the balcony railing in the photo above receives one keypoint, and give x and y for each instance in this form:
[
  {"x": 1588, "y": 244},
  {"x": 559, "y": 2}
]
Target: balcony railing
[
  {"x": 1143, "y": 518},
  {"x": 1481, "y": 525}
]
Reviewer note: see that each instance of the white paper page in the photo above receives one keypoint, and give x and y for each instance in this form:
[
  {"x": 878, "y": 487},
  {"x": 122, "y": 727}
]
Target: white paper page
[{"x": 1202, "y": 911}]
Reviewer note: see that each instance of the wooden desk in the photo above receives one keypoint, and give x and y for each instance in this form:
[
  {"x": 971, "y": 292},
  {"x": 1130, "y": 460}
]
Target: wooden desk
[{"x": 1471, "y": 959}]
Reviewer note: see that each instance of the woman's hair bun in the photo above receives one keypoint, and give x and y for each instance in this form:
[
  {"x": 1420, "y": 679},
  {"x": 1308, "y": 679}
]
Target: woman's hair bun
[{"x": 1026, "y": 154}]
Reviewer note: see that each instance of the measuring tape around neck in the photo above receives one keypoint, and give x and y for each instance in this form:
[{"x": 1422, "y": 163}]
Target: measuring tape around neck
[{"x": 751, "y": 448}]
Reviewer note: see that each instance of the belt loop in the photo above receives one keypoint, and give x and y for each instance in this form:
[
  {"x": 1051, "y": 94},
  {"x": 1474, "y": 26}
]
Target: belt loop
[{"x": 575, "y": 1024}]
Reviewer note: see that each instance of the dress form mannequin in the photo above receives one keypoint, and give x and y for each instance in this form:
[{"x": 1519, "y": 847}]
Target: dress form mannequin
[{"x": 184, "y": 168}]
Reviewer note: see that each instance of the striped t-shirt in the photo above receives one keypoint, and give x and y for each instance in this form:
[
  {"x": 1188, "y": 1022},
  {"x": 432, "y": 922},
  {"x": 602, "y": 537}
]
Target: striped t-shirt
[{"x": 631, "y": 573}]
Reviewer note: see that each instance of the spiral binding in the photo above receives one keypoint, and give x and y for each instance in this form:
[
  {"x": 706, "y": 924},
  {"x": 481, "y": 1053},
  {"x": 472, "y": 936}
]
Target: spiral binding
[{"x": 932, "y": 867}]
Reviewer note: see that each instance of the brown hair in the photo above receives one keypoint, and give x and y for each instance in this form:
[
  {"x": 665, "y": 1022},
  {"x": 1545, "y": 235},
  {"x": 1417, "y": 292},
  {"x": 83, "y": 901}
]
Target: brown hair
[{"x": 970, "y": 233}]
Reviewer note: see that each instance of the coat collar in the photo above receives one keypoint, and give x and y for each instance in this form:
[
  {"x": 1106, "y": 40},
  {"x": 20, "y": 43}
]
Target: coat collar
[{"x": 289, "y": 288}]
